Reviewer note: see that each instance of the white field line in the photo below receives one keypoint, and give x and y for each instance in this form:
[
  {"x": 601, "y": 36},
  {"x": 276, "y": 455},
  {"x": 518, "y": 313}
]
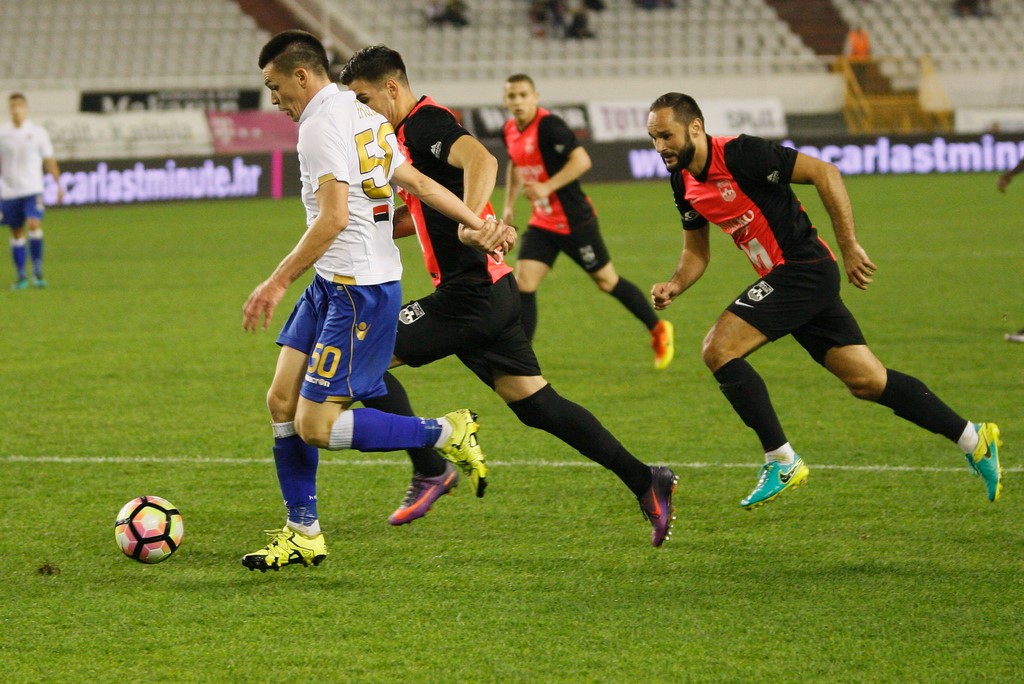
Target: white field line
[{"x": 496, "y": 463}]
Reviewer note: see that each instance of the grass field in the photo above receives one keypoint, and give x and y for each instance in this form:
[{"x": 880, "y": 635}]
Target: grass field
[{"x": 131, "y": 375}]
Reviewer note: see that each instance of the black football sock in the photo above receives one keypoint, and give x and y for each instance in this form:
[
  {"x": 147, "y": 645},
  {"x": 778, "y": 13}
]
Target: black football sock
[
  {"x": 748, "y": 394},
  {"x": 424, "y": 461},
  {"x": 910, "y": 399},
  {"x": 633, "y": 299},
  {"x": 546, "y": 410},
  {"x": 528, "y": 312}
]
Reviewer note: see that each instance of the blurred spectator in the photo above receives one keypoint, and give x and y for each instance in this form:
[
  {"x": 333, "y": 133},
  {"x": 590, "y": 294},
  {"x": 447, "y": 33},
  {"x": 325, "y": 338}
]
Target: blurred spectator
[
  {"x": 651, "y": 4},
  {"x": 450, "y": 12},
  {"x": 547, "y": 18},
  {"x": 434, "y": 12},
  {"x": 455, "y": 12},
  {"x": 972, "y": 8},
  {"x": 858, "y": 44},
  {"x": 579, "y": 24},
  {"x": 596, "y": 5}
]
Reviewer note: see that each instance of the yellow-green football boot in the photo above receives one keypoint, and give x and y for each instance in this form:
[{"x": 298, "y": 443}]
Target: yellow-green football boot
[
  {"x": 984, "y": 461},
  {"x": 287, "y": 547}
]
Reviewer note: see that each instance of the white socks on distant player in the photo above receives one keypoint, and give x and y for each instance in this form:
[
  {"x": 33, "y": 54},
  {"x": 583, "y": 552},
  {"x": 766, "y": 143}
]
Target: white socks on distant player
[
  {"x": 783, "y": 455},
  {"x": 969, "y": 439}
]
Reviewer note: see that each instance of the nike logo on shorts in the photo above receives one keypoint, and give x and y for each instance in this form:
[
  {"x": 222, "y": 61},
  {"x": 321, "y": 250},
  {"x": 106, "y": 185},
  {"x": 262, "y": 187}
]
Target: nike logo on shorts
[{"x": 739, "y": 303}]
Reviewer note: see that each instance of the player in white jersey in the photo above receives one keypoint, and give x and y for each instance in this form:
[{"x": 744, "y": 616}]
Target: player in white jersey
[
  {"x": 338, "y": 342},
  {"x": 24, "y": 149}
]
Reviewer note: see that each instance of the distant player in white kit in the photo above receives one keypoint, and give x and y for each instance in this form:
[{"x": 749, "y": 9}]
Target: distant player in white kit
[{"x": 24, "y": 148}]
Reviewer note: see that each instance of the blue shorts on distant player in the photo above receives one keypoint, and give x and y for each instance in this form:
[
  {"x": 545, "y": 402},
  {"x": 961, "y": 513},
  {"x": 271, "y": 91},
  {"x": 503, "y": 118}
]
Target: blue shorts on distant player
[
  {"x": 349, "y": 333},
  {"x": 14, "y": 212}
]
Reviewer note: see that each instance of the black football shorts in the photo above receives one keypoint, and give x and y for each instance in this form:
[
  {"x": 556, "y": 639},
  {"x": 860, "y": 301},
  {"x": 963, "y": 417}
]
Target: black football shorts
[
  {"x": 584, "y": 245},
  {"x": 480, "y": 325},
  {"x": 801, "y": 300}
]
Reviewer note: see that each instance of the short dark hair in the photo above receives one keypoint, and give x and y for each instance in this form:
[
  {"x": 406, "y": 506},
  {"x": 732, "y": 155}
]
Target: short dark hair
[
  {"x": 290, "y": 50},
  {"x": 374, "y": 64},
  {"x": 683, "y": 106},
  {"x": 18, "y": 96},
  {"x": 521, "y": 78}
]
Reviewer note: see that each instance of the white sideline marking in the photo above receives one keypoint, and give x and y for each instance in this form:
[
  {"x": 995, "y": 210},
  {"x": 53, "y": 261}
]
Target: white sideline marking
[{"x": 497, "y": 463}]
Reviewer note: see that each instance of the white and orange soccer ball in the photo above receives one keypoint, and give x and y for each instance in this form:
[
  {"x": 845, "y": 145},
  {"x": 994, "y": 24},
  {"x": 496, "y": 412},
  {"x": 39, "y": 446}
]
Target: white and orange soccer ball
[{"x": 148, "y": 529}]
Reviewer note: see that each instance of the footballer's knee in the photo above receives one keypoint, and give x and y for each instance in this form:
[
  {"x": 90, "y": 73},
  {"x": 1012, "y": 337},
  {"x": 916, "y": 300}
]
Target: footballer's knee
[
  {"x": 866, "y": 387},
  {"x": 281, "y": 406},
  {"x": 313, "y": 432}
]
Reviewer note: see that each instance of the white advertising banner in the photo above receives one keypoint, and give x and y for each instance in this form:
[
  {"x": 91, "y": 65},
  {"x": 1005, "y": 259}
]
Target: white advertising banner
[
  {"x": 989, "y": 120},
  {"x": 764, "y": 117},
  {"x": 128, "y": 134}
]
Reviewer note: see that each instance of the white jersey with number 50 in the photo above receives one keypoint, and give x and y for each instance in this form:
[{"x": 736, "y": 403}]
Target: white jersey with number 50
[{"x": 343, "y": 140}]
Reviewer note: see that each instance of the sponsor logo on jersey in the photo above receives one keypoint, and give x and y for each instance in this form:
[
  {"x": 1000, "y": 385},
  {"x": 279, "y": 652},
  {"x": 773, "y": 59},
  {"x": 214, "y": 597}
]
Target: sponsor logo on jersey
[
  {"x": 411, "y": 313},
  {"x": 730, "y": 226},
  {"x": 759, "y": 291},
  {"x": 726, "y": 190},
  {"x": 380, "y": 213}
]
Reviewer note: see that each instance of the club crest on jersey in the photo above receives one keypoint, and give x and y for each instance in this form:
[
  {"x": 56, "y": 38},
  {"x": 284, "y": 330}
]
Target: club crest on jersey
[
  {"x": 759, "y": 291},
  {"x": 587, "y": 254},
  {"x": 726, "y": 190},
  {"x": 411, "y": 313}
]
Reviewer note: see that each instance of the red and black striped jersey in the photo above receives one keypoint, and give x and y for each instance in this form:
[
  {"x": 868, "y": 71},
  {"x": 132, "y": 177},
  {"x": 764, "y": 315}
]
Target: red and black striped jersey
[
  {"x": 745, "y": 190},
  {"x": 426, "y": 136},
  {"x": 540, "y": 151}
]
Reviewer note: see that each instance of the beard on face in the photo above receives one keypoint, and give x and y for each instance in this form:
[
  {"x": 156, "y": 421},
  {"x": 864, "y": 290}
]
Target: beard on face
[{"x": 684, "y": 156}]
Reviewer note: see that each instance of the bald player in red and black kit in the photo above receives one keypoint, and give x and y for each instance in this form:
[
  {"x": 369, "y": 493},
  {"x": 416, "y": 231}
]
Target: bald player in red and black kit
[
  {"x": 474, "y": 310},
  {"x": 546, "y": 163},
  {"x": 742, "y": 185}
]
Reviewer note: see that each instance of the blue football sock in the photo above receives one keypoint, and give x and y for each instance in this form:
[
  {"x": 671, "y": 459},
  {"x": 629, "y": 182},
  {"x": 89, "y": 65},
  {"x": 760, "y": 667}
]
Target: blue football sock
[
  {"x": 373, "y": 430},
  {"x": 18, "y": 254},
  {"x": 35, "y": 251},
  {"x": 296, "y": 464}
]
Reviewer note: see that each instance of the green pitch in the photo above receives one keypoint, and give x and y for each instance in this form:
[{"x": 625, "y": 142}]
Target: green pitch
[{"x": 131, "y": 375}]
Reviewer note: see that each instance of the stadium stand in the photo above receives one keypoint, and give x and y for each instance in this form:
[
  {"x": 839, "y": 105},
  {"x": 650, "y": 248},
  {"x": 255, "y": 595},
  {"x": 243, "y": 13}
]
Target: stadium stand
[
  {"x": 54, "y": 44},
  {"x": 708, "y": 47}
]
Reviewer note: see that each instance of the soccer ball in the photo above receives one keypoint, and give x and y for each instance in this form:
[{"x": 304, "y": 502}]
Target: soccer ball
[{"x": 148, "y": 529}]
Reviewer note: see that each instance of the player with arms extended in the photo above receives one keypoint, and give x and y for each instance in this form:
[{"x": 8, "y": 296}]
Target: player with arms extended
[
  {"x": 546, "y": 162},
  {"x": 24, "y": 149},
  {"x": 336, "y": 346},
  {"x": 474, "y": 310},
  {"x": 742, "y": 184}
]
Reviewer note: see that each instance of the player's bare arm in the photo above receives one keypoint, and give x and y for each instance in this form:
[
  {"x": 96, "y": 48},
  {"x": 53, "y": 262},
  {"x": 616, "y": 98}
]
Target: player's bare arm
[
  {"x": 402, "y": 223},
  {"x": 693, "y": 261},
  {"x": 437, "y": 196},
  {"x": 331, "y": 219},
  {"x": 578, "y": 164},
  {"x": 54, "y": 170},
  {"x": 513, "y": 187},
  {"x": 479, "y": 171},
  {"x": 1005, "y": 178},
  {"x": 828, "y": 181}
]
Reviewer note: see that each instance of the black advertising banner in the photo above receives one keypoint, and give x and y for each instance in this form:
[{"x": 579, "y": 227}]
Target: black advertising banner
[{"x": 209, "y": 99}]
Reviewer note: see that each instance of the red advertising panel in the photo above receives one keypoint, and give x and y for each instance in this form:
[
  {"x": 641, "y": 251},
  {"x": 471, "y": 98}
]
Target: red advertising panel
[{"x": 246, "y": 132}]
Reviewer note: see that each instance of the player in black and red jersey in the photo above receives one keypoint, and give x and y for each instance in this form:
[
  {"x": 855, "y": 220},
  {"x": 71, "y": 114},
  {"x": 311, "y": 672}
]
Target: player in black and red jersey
[
  {"x": 546, "y": 162},
  {"x": 474, "y": 310},
  {"x": 742, "y": 184}
]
